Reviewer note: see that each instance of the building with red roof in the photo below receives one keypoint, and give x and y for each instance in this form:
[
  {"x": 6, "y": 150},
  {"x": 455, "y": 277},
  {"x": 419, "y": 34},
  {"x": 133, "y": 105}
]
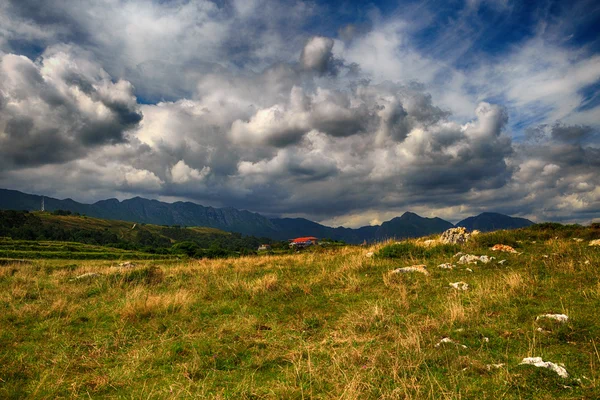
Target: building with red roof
[{"x": 303, "y": 241}]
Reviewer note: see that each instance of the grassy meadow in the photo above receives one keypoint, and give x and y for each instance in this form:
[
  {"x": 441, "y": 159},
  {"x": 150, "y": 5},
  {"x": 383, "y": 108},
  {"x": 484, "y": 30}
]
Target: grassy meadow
[{"x": 326, "y": 323}]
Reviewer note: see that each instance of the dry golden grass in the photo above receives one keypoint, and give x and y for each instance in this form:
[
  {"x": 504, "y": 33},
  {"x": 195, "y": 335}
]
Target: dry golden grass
[
  {"x": 330, "y": 324},
  {"x": 142, "y": 303}
]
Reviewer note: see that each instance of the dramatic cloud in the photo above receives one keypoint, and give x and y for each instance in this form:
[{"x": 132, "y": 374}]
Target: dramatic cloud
[
  {"x": 317, "y": 55},
  {"x": 52, "y": 111},
  {"x": 255, "y": 105}
]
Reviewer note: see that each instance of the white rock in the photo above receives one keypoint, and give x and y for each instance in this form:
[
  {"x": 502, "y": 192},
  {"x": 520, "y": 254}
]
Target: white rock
[
  {"x": 369, "y": 254},
  {"x": 468, "y": 259},
  {"x": 460, "y": 253},
  {"x": 88, "y": 275},
  {"x": 557, "y": 317},
  {"x": 538, "y": 362},
  {"x": 455, "y": 235},
  {"x": 485, "y": 259},
  {"x": 430, "y": 243},
  {"x": 460, "y": 285},
  {"x": 595, "y": 242},
  {"x": 486, "y": 339},
  {"x": 449, "y": 341},
  {"x": 501, "y": 262},
  {"x": 127, "y": 264},
  {"x": 446, "y": 266},
  {"x": 494, "y": 366},
  {"x": 413, "y": 268},
  {"x": 468, "y": 270},
  {"x": 578, "y": 240}
]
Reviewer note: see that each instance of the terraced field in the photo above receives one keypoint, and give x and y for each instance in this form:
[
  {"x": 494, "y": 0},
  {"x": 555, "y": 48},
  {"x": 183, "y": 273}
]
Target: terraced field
[{"x": 32, "y": 250}]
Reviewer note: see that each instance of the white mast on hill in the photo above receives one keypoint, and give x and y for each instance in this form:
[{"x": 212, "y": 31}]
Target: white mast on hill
[{"x": 43, "y": 207}]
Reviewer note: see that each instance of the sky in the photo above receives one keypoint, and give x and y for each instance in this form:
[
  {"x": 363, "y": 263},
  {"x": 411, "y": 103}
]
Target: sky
[{"x": 346, "y": 113}]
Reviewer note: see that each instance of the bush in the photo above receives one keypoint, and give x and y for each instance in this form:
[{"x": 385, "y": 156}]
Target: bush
[{"x": 410, "y": 250}]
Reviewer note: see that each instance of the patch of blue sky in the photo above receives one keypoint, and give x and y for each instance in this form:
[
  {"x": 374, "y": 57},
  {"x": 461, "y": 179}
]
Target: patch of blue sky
[
  {"x": 591, "y": 98},
  {"x": 522, "y": 118}
]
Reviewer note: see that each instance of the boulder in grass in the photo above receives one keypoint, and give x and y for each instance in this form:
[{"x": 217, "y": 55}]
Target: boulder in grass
[
  {"x": 468, "y": 259},
  {"x": 88, "y": 275},
  {"x": 455, "y": 236},
  {"x": 538, "y": 362},
  {"x": 460, "y": 285},
  {"x": 127, "y": 264},
  {"x": 447, "y": 340},
  {"x": 504, "y": 248},
  {"x": 594, "y": 242},
  {"x": 446, "y": 266},
  {"x": 557, "y": 317},
  {"x": 413, "y": 268}
]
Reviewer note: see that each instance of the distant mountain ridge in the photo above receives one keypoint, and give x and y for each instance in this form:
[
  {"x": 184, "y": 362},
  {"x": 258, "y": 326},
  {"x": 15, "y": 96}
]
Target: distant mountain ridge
[
  {"x": 488, "y": 221},
  {"x": 229, "y": 219}
]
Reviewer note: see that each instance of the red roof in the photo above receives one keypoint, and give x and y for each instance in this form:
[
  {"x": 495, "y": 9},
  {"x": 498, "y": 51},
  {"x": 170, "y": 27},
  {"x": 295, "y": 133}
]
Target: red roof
[{"x": 304, "y": 239}]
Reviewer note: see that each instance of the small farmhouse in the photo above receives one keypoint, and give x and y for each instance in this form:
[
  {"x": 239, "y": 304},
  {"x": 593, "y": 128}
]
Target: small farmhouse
[
  {"x": 263, "y": 247},
  {"x": 302, "y": 242}
]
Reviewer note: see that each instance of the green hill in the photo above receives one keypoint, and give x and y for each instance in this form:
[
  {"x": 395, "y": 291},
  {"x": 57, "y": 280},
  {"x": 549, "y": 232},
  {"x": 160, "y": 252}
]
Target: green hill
[{"x": 62, "y": 226}]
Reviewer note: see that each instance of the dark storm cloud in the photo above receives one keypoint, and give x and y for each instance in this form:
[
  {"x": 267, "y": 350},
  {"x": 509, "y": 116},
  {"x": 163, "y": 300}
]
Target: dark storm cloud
[
  {"x": 572, "y": 133},
  {"x": 55, "y": 113}
]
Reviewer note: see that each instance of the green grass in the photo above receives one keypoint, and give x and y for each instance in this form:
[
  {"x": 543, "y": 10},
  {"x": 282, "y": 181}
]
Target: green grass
[{"x": 323, "y": 324}]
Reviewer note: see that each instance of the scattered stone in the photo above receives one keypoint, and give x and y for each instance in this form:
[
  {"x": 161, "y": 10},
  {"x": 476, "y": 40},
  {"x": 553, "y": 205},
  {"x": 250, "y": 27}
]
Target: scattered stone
[
  {"x": 369, "y": 254},
  {"x": 557, "y": 317},
  {"x": 578, "y": 240},
  {"x": 430, "y": 243},
  {"x": 88, "y": 275},
  {"x": 472, "y": 259},
  {"x": 446, "y": 266},
  {"x": 501, "y": 262},
  {"x": 595, "y": 242},
  {"x": 460, "y": 253},
  {"x": 413, "y": 268},
  {"x": 468, "y": 270},
  {"x": 545, "y": 256},
  {"x": 449, "y": 341},
  {"x": 494, "y": 366},
  {"x": 538, "y": 362},
  {"x": 455, "y": 236},
  {"x": 460, "y": 285},
  {"x": 127, "y": 264},
  {"x": 486, "y": 339},
  {"x": 485, "y": 259},
  {"x": 504, "y": 248},
  {"x": 587, "y": 262},
  {"x": 468, "y": 259}
]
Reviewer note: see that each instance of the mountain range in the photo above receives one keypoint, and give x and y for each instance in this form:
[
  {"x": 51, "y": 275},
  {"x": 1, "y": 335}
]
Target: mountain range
[{"x": 229, "y": 219}]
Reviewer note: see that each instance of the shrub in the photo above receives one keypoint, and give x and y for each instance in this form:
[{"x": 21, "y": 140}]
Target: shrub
[{"x": 410, "y": 250}]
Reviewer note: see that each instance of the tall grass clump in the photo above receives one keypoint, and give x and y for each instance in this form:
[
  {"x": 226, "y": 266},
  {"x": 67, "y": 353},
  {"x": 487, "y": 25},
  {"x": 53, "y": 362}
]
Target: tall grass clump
[{"x": 407, "y": 250}]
